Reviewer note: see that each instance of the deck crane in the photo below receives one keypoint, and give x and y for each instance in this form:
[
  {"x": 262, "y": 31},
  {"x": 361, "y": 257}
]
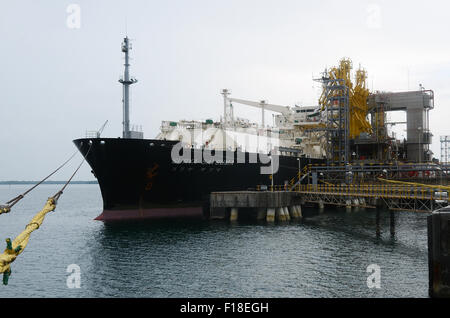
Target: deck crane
[
  {"x": 300, "y": 116},
  {"x": 263, "y": 105}
]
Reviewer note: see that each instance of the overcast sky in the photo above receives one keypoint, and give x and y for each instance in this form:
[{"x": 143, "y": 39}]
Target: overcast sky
[{"x": 57, "y": 80}]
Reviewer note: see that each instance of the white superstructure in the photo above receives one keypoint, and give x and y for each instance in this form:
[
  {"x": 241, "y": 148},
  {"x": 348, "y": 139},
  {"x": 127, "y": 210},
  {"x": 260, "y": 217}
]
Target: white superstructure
[{"x": 295, "y": 132}]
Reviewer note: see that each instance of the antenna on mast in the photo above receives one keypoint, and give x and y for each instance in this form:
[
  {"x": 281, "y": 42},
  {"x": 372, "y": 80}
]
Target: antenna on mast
[{"x": 126, "y": 81}]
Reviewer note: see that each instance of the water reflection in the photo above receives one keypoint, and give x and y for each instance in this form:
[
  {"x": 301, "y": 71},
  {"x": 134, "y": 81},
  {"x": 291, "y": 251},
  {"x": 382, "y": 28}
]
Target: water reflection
[{"x": 321, "y": 256}]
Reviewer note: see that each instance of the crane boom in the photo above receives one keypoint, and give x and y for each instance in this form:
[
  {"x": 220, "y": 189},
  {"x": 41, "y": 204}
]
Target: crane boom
[{"x": 285, "y": 110}]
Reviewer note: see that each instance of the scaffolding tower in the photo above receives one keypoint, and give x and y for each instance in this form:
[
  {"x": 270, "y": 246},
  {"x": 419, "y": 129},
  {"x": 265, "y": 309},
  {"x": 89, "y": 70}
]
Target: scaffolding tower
[
  {"x": 445, "y": 145},
  {"x": 336, "y": 106}
]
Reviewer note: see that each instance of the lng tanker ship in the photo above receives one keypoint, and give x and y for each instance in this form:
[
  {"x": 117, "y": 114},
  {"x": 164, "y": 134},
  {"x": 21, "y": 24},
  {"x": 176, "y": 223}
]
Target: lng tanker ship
[{"x": 173, "y": 174}]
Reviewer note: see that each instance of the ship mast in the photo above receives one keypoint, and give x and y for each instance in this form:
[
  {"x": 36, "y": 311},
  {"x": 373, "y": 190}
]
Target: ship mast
[{"x": 126, "y": 81}]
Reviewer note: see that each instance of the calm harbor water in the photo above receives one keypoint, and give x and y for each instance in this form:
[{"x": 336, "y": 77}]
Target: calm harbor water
[{"x": 322, "y": 256}]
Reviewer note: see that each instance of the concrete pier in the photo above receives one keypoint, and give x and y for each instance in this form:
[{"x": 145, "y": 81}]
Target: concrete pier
[{"x": 263, "y": 204}]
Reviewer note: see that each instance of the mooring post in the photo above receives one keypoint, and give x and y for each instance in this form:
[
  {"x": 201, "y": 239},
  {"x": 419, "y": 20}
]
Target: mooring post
[{"x": 439, "y": 253}]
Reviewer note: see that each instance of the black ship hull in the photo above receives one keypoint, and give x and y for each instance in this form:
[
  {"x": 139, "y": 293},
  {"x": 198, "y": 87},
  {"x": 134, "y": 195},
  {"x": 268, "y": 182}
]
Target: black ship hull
[{"x": 138, "y": 178}]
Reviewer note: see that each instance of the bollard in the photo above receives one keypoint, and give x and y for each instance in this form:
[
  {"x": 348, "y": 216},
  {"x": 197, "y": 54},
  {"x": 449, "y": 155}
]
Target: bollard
[
  {"x": 270, "y": 218},
  {"x": 439, "y": 253},
  {"x": 234, "y": 214}
]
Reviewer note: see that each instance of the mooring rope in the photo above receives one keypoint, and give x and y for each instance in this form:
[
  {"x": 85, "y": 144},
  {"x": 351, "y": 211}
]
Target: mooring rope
[
  {"x": 7, "y": 207},
  {"x": 16, "y": 247}
]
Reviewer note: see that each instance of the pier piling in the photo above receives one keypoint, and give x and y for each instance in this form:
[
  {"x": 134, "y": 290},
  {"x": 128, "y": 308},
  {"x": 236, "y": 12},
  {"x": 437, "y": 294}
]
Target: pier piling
[
  {"x": 439, "y": 253},
  {"x": 270, "y": 218},
  {"x": 234, "y": 214}
]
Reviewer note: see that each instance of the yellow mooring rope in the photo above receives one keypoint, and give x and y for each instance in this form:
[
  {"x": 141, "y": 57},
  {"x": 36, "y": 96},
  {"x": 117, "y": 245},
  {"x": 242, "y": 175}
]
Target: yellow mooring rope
[
  {"x": 14, "y": 248},
  {"x": 4, "y": 209}
]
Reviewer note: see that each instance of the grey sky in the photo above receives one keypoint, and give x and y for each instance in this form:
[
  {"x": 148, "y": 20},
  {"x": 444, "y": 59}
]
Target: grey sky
[{"x": 58, "y": 82}]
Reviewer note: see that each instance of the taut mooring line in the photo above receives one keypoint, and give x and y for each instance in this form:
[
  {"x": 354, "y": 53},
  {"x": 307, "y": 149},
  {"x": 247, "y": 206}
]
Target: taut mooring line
[
  {"x": 14, "y": 248},
  {"x": 7, "y": 207}
]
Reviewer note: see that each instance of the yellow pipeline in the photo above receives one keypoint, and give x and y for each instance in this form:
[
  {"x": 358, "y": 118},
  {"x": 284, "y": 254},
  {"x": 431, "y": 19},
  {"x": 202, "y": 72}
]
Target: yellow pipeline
[
  {"x": 14, "y": 248},
  {"x": 358, "y": 94},
  {"x": 417, "y": 184}
]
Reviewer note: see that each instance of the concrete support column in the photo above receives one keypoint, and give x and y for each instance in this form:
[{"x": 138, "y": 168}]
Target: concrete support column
[
  {"x": 270, "y": 217},
  {"x": 262, "y": 212},
  {"x": 299, "y": 211},
  {"x": 356, "y": 203},
  {"x": 348, "y": 205},
  {"x": 234, "y": 214},
  {"x": 362, "y": 201},
  {"x": 280, "y": 214},
  {"x": 292, "y": 212},
  {"x": 321, "y": 206},
  {"x": 286, "y": 214}
]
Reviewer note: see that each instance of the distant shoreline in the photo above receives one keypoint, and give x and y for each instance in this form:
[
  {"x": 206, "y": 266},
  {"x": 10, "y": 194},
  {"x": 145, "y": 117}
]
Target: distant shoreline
[{"x": 47, "y": 182}]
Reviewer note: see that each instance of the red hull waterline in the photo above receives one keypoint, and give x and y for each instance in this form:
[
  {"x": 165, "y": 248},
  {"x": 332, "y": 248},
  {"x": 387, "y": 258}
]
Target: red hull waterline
[{"x": 156, "y": 213}]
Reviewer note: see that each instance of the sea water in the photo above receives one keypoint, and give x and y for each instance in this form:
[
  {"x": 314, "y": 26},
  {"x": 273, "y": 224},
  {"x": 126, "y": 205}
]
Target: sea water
[{"x": 324, "y": 255}]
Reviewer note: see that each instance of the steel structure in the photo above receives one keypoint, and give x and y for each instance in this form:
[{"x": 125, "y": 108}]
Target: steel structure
[
  {"x": 335, "y": 103},
  {"x": 445, "y": 146},
  {"x": 417, "y": 105},
  {"x": 370, "y": 172},
  {"x": 394, "y": 197}
]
